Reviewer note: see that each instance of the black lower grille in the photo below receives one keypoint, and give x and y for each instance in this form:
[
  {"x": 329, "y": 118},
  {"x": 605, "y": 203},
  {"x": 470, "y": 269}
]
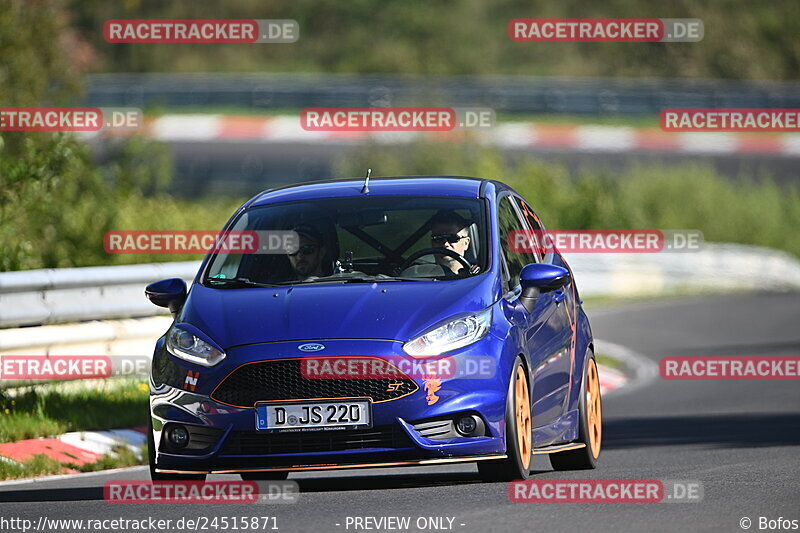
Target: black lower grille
[
  {"x": 201, "y": 438},
  {"x": 283, "y": 380},
  {"x": 256, "y": 443}
]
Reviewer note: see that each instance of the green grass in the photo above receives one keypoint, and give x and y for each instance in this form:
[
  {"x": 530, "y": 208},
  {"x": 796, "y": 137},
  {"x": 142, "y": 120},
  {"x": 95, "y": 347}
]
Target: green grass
[
  {"x": 121, "y": 458},
  {"x": 39, "y": 465},
  {"x": 47, "y": 410},
  {"x": 16, "y": 426},
  {"x": 610, "y": 362}
]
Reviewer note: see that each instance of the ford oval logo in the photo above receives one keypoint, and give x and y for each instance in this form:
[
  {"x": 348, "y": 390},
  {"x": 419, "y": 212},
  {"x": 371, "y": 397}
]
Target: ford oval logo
[{"x": 311, "y": 347}]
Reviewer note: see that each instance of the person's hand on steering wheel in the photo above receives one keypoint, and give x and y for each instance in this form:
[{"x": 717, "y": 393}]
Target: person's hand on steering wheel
[{"x": 413, "y": 258}]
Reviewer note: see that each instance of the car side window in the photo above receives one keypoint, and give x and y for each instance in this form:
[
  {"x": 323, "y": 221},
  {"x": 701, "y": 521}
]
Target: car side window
[
  {"x": 508, "y": 221},
  {"x": 533, "y": 223}
]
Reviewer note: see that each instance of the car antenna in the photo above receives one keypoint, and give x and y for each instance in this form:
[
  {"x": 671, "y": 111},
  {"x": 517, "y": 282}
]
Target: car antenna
[{"x": 365, "y": 188}]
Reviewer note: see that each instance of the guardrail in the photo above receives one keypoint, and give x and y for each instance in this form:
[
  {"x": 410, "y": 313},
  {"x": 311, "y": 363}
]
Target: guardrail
[
  {"x": 88, "y": 311},
  {"x": 53, "y": 296},
  {"x": 508, "y": 94}
]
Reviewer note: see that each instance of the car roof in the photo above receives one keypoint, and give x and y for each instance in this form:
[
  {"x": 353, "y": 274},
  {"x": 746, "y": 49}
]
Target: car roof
[{"x": 457, "y": 186}]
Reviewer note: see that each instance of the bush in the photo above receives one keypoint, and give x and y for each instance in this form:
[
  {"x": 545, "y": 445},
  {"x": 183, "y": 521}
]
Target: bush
[
  {"x": 56, "y": 206},
  {"x": 676, "y": 197}
]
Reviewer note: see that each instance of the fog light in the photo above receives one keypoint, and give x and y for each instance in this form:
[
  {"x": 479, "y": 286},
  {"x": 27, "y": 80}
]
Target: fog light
[
  {"x": 178, "y": 436},
  {"x": 466, "y": 425}
]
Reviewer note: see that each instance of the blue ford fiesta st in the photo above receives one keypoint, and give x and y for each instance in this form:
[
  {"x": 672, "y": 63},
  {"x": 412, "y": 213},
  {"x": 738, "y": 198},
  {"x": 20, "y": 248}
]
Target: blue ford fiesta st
[{"x": 329, "y": 354}]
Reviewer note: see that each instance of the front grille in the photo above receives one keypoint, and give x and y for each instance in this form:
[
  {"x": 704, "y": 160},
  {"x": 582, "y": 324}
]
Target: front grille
[
  {"x": 282, "y": 380},
  {"x": 437, "y": 429},
  {"x": 257, "y": 443}
]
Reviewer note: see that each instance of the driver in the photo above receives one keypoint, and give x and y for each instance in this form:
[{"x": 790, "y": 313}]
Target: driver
[
  {"x": 308, "y": 260},
  {"x": 449, "y": 230}
]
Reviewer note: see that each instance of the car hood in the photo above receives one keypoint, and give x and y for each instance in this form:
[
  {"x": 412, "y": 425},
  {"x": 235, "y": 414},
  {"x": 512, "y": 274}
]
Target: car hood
[{"x": 386, "y": 310}]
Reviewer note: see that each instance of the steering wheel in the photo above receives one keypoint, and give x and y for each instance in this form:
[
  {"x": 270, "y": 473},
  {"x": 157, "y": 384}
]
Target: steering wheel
[{"x": 431, "y": 251}]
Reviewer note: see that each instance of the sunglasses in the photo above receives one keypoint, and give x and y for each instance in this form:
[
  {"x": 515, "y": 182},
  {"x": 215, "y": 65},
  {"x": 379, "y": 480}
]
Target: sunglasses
[
  {"x": 452, "y": 238},
  {"x": 306, "y": 249}
]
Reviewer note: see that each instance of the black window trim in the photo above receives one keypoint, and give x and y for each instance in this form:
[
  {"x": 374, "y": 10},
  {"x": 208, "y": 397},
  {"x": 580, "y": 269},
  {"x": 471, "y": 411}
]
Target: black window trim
[
  {"x": 547, "y": 257},
  {"x": 511, "y": 292}
]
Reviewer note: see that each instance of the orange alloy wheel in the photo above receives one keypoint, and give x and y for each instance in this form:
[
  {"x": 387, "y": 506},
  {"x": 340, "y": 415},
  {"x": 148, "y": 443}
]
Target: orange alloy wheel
[
  {"x": 523, "y": 412},
  {"x": 594, "y": 410}
]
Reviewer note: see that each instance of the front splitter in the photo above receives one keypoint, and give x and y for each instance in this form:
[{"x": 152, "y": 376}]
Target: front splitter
[{"x": 298, "y": 468}]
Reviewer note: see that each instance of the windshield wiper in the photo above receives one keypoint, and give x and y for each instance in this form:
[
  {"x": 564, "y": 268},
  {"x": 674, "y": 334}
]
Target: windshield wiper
[
  {"x": 400, "y": 278},
  {"x": 235, "y": 283},
  {"x": 352, "y": 279}
]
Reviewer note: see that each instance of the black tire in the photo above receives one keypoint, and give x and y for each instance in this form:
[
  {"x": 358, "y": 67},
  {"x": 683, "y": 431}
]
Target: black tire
[
  {"x": 279, "y": 475},
  {"x": 514, "y": 466},
  {"x": 583, "y": 458},
  {"x": 158, "y": 476}
]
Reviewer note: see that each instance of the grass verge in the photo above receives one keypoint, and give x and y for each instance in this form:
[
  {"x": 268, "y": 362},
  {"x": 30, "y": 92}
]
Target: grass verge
[
  {"x": 46, "y": 410},
  {"x": 52, "y": 409},
  {"x": 610, "y": 362}
]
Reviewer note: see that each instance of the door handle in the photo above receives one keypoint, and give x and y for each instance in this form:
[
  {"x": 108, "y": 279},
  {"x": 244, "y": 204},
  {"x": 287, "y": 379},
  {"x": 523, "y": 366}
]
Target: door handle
[{"x": 558, "y": 296}]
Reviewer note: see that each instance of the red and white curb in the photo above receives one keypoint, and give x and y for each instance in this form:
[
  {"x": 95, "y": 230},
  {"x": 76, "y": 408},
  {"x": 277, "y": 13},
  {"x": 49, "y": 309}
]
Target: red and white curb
[
  {"x": 640, "y": 371},
  {"x": 77, "y": 448},
  {"x": 586, "y": 138},
  {"x": 106, "y": 442},
  {"x": 610, "y": 379}
]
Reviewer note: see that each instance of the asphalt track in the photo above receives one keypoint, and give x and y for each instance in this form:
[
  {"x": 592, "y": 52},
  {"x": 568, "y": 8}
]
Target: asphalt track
[{"x": 741, "y": 439}]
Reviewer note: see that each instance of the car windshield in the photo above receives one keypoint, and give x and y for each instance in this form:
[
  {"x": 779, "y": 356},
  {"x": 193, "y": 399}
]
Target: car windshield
[{"x": 362, "y": 239}]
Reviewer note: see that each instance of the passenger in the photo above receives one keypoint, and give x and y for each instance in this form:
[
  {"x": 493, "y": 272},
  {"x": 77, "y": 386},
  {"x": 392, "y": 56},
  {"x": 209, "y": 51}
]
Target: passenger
[{"x": 309, "y": 259}]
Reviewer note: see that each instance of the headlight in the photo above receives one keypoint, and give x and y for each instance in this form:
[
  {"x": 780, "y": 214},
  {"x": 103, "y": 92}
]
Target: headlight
[
  {"x": 456, "y": 334},
  {"x": 186, "y": 346}
]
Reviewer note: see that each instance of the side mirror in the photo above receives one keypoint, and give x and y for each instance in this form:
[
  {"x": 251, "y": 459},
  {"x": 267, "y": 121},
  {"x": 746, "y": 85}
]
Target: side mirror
[
  {"x": 169, "y": 293},
  {"x": 538, "y": 278}
]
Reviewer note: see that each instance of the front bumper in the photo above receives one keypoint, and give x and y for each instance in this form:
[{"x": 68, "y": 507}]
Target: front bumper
[{"x": 232, "y": 443}]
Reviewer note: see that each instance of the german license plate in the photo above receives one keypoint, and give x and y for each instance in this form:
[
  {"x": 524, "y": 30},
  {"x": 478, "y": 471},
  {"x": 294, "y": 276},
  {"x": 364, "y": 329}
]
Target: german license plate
[{"x": 350, "y": 414}]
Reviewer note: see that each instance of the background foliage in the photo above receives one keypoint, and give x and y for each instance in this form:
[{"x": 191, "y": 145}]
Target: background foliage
[
  {"x": 56, "y": 203},
  {"x": 675, "y": 197},
  {"x": 743, "y": 39}
]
